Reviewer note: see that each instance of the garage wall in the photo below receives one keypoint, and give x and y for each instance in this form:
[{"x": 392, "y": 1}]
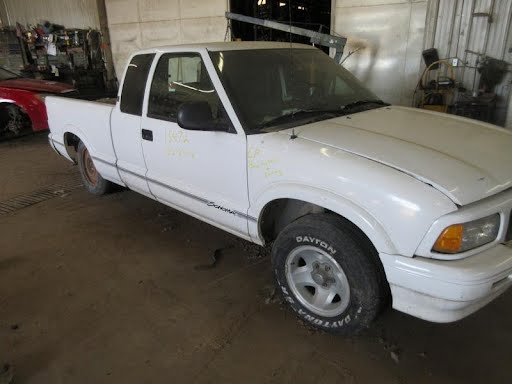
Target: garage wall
[
  {"x": 70, "y": 13},
  {"x": 453, "y": 29},
  {"x": 136, "y": 24},
  {"x": 389, "y": 36},
  {"x": 508, "y": 57}
]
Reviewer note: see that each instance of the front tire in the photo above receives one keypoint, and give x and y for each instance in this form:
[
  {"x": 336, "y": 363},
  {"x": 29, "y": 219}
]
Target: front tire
[
  {"x": 329, "y": 273},
  {"x": 92, "y": 179}
]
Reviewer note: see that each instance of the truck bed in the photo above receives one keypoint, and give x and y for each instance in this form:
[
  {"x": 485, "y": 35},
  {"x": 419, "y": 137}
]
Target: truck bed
[
  {"x": 89, "y": 120},
  {"x": 107, "y": 100}
]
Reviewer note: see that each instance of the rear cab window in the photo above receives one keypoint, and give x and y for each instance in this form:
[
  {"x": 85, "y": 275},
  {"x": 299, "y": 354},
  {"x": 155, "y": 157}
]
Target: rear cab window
[{"x": 132, "y": 95}]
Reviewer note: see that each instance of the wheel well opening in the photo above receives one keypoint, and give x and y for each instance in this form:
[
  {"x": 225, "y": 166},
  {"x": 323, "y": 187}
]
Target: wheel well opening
[
  {"x": 71, "y": 142},
  {"x": 16, "y": 116},
  {"x": 4, "y": 114},
  {"x": 279, "y": 213}
]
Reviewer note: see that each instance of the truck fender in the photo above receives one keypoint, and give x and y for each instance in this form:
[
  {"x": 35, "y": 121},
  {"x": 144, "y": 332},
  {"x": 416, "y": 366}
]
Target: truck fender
[{"x": 357, "y": 215}]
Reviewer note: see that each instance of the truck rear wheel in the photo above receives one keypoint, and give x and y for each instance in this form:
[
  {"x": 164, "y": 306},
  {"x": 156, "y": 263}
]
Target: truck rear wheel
[
  {"x": 328, "y": 273},
  {"x": 92, "y": 179}
]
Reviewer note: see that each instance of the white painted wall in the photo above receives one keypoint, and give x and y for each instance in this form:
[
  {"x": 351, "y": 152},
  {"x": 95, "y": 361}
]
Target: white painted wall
[
  {"x": 390, "y": 34},
  {"x": 136, "y": 24}
]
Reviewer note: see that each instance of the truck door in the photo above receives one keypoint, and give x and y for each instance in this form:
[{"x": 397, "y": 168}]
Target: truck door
[
  {"x": 126, "y": 125},
  {"x": 203, "y": 173}
]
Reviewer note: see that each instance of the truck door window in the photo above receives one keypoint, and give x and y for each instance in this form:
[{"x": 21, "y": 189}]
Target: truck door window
[
  {"x": 132, "y": 95},
  {"x": 181, "y": 78}
]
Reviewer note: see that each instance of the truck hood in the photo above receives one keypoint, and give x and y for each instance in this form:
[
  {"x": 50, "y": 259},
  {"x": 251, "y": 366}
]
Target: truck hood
[
  {"x": 35, "y": 85},
  {"x": 467, "y": 160}
]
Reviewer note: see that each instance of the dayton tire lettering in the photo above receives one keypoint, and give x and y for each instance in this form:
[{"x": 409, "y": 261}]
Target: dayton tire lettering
[
  {"x": 313, "y": 240},
  {"x": 322, "y": 323}
]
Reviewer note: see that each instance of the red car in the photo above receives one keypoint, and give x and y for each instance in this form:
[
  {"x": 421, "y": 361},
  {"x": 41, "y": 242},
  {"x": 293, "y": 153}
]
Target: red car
[{"x": 22, "y": 107}]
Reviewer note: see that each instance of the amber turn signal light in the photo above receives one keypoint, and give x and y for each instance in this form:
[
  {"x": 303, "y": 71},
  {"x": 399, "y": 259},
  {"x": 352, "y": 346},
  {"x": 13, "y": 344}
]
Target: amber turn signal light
[{"x": 450, "y": 240}]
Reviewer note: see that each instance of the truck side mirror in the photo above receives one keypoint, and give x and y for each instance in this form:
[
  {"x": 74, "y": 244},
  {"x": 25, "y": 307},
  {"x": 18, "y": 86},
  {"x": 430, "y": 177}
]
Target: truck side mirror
[{"x": 197, "y": 116}]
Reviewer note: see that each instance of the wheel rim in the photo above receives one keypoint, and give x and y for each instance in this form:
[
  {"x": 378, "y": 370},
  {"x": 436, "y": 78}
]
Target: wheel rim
[
  {"x": 90, "y": 172},
  {"x": 317, "y": 281}
]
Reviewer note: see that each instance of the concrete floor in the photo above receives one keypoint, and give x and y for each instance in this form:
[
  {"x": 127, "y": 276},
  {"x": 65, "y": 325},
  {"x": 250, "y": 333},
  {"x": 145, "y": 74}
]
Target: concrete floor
[{"x": 108, "y": 290}]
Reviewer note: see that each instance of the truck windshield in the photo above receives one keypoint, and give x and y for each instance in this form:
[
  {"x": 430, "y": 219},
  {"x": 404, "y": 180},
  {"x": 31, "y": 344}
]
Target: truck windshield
[{"x": 274, "y": 89}]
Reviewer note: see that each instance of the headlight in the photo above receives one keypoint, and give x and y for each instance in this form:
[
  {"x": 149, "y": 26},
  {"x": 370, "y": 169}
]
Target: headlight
[{"x": 463, "y": 237}]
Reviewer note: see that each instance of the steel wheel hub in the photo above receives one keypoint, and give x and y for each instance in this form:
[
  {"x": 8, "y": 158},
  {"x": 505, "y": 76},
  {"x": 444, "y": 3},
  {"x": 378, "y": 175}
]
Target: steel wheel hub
[
  {"x": 322, "y": 275},
  {"x": 317, "y": 281},
  {"x": 90, "y": 170}
]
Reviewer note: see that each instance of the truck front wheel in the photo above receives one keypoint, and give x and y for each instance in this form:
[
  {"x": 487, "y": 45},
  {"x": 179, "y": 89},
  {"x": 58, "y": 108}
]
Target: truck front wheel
[
  {"x": 92, "y": 179},
  {"x": 328, "y": 273}
]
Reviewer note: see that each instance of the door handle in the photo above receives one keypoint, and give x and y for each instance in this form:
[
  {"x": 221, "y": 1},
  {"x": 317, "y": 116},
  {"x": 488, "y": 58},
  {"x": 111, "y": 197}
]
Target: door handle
[{"x": 147, "y": 135}]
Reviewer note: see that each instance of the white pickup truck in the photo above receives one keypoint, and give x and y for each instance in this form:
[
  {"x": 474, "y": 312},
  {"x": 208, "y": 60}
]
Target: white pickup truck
[{"x": 366, "y": 204}]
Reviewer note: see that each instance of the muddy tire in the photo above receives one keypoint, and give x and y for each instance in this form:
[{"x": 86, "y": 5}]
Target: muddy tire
[
  {"x": 93, "y": 181},
  {"x": 329, "y": 273}
]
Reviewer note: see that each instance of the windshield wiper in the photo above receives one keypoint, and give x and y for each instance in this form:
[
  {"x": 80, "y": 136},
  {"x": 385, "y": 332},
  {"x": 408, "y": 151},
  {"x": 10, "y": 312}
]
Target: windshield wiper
[
  {"x": 359, "y": 103},
  {"x": 300, "y": 113}
]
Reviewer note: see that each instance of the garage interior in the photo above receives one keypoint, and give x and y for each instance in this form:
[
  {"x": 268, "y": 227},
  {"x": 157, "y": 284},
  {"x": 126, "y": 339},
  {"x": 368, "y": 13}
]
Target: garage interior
[{"x": 120, "y": 288}]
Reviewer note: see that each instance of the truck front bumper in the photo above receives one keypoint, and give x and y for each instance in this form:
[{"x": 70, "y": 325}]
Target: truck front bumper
[{"x": 444, "y": 291}]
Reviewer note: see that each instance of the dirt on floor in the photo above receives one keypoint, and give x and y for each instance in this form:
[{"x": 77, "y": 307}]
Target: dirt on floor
[{"x": 117, "y": 289}]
